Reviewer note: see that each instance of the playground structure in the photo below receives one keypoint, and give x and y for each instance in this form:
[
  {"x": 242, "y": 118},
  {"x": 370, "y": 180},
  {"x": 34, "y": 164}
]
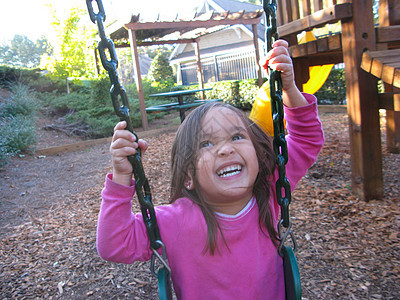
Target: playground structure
[{"x": 358, "y": 35}]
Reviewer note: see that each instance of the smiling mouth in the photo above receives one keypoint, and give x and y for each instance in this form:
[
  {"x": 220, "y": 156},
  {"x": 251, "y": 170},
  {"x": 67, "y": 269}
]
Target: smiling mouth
[{"x": 230, "y": 171}]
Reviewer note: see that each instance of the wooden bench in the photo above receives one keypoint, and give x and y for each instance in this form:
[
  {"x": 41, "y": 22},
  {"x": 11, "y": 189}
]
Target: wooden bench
[
  {"x": 176, "y": 106},
  {"x": 384, "y": 64}
]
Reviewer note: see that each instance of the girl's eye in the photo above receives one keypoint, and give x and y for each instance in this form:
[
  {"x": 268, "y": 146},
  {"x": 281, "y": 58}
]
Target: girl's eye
[
  {"x": 237, "y": 137},
  {"x": 205, "y": 144}
]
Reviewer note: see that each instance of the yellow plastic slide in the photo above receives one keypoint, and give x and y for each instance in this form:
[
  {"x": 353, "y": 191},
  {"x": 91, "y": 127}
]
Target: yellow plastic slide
[{"x": 261, "y": 111}]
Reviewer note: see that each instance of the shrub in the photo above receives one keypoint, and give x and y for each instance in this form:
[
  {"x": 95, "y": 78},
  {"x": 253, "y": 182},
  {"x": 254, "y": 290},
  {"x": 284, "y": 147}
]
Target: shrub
[
  {"x": 334, "y": 89},
  {"x": 240, "y": 94},
  {"x": 22, "y": 101},
  {"x": 4, "y": 156},
  {"x": 17, "y": 135},
  {"x": 148, "y": 88},
  {"x": 100, "y": 91},
  {"x": 160, "y": 71},
  {"x": 9, "y": 76},
  {"x": 16, "y": 122}
]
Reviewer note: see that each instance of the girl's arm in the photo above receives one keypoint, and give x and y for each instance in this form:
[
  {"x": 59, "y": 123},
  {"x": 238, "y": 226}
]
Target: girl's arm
[
  {"x": 121, "y": 235},
  {"x": 306, "y": 137}
]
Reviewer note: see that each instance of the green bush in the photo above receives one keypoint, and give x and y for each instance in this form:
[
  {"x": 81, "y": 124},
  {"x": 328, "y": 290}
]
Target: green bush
[
  {"x": 17, "y": 135},
  {"x": 100, "y": 91},
  {"x": 92, "y": 111},
  {"x": 4, "y": 156},
  {"x": 22, "y": 101},
  {"x": 148, "y": 89},
  {"x": 18, "y": 131},
  {"x": 9, "y": 76},
  {"x": 161, "y": 72},
  {"x": 35, "y": 79},
  {"x": 61, "y": 104},
  {"x": 240, "y": 94},
  {"x": 334, "y": 89}
]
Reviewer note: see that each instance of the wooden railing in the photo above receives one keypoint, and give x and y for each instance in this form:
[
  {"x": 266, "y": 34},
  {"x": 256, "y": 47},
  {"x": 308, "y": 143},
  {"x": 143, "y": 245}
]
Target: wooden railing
[{"x": 297, "y": 16}]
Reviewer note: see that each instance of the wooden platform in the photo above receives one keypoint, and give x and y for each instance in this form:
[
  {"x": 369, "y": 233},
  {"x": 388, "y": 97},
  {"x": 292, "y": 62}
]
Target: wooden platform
[{"x": 383, "y": 64}]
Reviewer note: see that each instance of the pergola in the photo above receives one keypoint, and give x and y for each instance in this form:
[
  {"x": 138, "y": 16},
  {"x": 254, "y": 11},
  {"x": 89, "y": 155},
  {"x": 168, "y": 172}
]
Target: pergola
[{"x": 144, "y": 33}]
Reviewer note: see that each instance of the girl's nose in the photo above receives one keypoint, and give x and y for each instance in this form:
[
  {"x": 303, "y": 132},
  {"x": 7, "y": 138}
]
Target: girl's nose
[{"x": 225, "y": 149}]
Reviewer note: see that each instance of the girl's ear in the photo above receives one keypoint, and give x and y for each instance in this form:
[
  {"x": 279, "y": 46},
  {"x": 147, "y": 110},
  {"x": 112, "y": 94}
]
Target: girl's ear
[{"x": 189, "y": 183}]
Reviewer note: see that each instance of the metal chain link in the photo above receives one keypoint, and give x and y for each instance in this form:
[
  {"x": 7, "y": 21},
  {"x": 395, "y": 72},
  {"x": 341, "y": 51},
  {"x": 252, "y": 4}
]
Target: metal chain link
[
  {"x": 279, "y": 143},
  {"x": 121, "y": 106}
]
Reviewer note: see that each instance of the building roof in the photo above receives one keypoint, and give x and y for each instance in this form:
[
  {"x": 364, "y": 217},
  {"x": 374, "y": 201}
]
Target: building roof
[
  {"x": 232, "y": 6},
  {"x": 235, "y": 6},
  {"x": 156, "y": 31}
]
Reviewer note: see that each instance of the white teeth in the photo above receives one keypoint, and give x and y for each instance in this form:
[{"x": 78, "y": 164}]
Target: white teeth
[{"x": 230, "y": 171}]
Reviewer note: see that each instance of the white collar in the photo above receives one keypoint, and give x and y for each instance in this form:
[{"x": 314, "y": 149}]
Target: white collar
[{"x": 244, "y": 211}]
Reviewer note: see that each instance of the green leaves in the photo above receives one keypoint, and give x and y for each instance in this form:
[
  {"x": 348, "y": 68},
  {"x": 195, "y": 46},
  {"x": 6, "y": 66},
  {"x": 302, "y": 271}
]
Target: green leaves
[
  {"x": 22, "y": 52},
  {"x": 160, "y": 71},
  {"x": 70, "y": 56}
]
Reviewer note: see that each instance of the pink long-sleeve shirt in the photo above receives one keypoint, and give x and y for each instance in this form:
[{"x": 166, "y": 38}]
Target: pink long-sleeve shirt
[{"x": 250, "y": 268}]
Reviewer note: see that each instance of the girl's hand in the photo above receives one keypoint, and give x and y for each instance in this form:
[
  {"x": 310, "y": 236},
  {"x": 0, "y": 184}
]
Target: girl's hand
[
  {"x": 278, "y": 59},
  {"x": 123, "y": 145}
]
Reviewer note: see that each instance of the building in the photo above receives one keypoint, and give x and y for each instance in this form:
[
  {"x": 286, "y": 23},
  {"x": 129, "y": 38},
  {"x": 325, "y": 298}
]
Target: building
[{"x": 226, "y": 52}]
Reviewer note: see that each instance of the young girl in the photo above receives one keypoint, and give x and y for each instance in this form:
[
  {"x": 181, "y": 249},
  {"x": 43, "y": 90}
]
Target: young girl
[{"x": 220, "y": 228}]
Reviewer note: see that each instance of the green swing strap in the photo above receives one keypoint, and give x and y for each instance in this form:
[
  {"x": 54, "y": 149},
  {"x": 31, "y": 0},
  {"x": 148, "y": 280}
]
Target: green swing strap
[
  {"x": 291, "y": 270},
  {"x": 121, "y": 107}
]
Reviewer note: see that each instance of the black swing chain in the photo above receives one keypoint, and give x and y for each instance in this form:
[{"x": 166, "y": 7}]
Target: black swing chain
[
  {"x": 121, "y": 107},
  {"x": 279, "y": 143}
]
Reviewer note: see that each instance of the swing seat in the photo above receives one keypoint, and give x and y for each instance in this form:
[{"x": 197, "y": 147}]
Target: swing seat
[
  {"x": 164, "y": 284},
  {"x": 292, "y": 275}
]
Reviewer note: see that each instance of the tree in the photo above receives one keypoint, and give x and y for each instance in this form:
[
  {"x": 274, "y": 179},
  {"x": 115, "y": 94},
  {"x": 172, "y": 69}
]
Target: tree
[
  {"x": 21, "y": 52},
  {"x": 70, "y": 56},
  {"x": 160, "y": 70}
]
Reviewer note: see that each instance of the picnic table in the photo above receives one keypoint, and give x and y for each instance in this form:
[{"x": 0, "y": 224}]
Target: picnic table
[{"x": 180, "y": 105}]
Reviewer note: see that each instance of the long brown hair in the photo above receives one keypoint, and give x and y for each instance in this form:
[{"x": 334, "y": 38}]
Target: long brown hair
[{"x": 183, "y": 165}]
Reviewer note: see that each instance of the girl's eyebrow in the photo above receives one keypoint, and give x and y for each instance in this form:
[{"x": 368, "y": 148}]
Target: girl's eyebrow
[{"x": 204, "y": 135}]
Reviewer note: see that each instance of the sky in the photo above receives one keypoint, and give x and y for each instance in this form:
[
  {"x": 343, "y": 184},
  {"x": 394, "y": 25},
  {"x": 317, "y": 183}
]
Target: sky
[{"x": 32, "y": 18}]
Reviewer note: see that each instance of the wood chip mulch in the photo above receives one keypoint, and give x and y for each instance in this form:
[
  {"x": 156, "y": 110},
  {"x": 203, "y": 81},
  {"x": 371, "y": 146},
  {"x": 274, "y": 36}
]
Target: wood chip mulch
[{"x": 347, "y": 248}]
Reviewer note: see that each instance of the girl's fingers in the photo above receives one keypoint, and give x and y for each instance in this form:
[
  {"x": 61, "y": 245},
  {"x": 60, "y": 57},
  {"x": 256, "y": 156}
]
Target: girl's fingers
[
  {"x": 122, "y": 153},
  {"x": 282, "y": 43},
  {"x": 120, "y": 125},
  {"x": 124, "y": 138},
  {"x": 121, "y": 143},
  {"x": 278, "y": 54},
  {"x": 143, "y": 145},
  {"x": 123, "y": 134}
]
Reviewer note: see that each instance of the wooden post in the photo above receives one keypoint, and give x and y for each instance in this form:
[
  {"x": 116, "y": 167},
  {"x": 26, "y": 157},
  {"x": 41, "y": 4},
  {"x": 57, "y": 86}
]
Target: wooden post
[
  {"x": 138, "y": 78},
  {"x": 358, "y": 35},
  {"x": 96, "y": 61},
  {"x": 199, "y": 69},
  {"x": 257, "y": 50},
  {"x": 301, "y": 71},
  {"x": 393, "y": 123},
  {"x": 387, "y": 18}
]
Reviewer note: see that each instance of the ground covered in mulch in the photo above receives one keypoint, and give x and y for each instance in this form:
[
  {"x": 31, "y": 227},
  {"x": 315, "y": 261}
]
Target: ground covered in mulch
[{"x": 347, "y": 248}]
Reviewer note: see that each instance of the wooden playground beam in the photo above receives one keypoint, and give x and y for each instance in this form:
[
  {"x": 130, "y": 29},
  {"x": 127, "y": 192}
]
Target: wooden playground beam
[{"x": 358, "y": 34}]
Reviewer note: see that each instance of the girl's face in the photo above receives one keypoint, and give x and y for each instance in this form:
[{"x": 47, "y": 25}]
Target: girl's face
[{"x": 227, "y": 164}]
